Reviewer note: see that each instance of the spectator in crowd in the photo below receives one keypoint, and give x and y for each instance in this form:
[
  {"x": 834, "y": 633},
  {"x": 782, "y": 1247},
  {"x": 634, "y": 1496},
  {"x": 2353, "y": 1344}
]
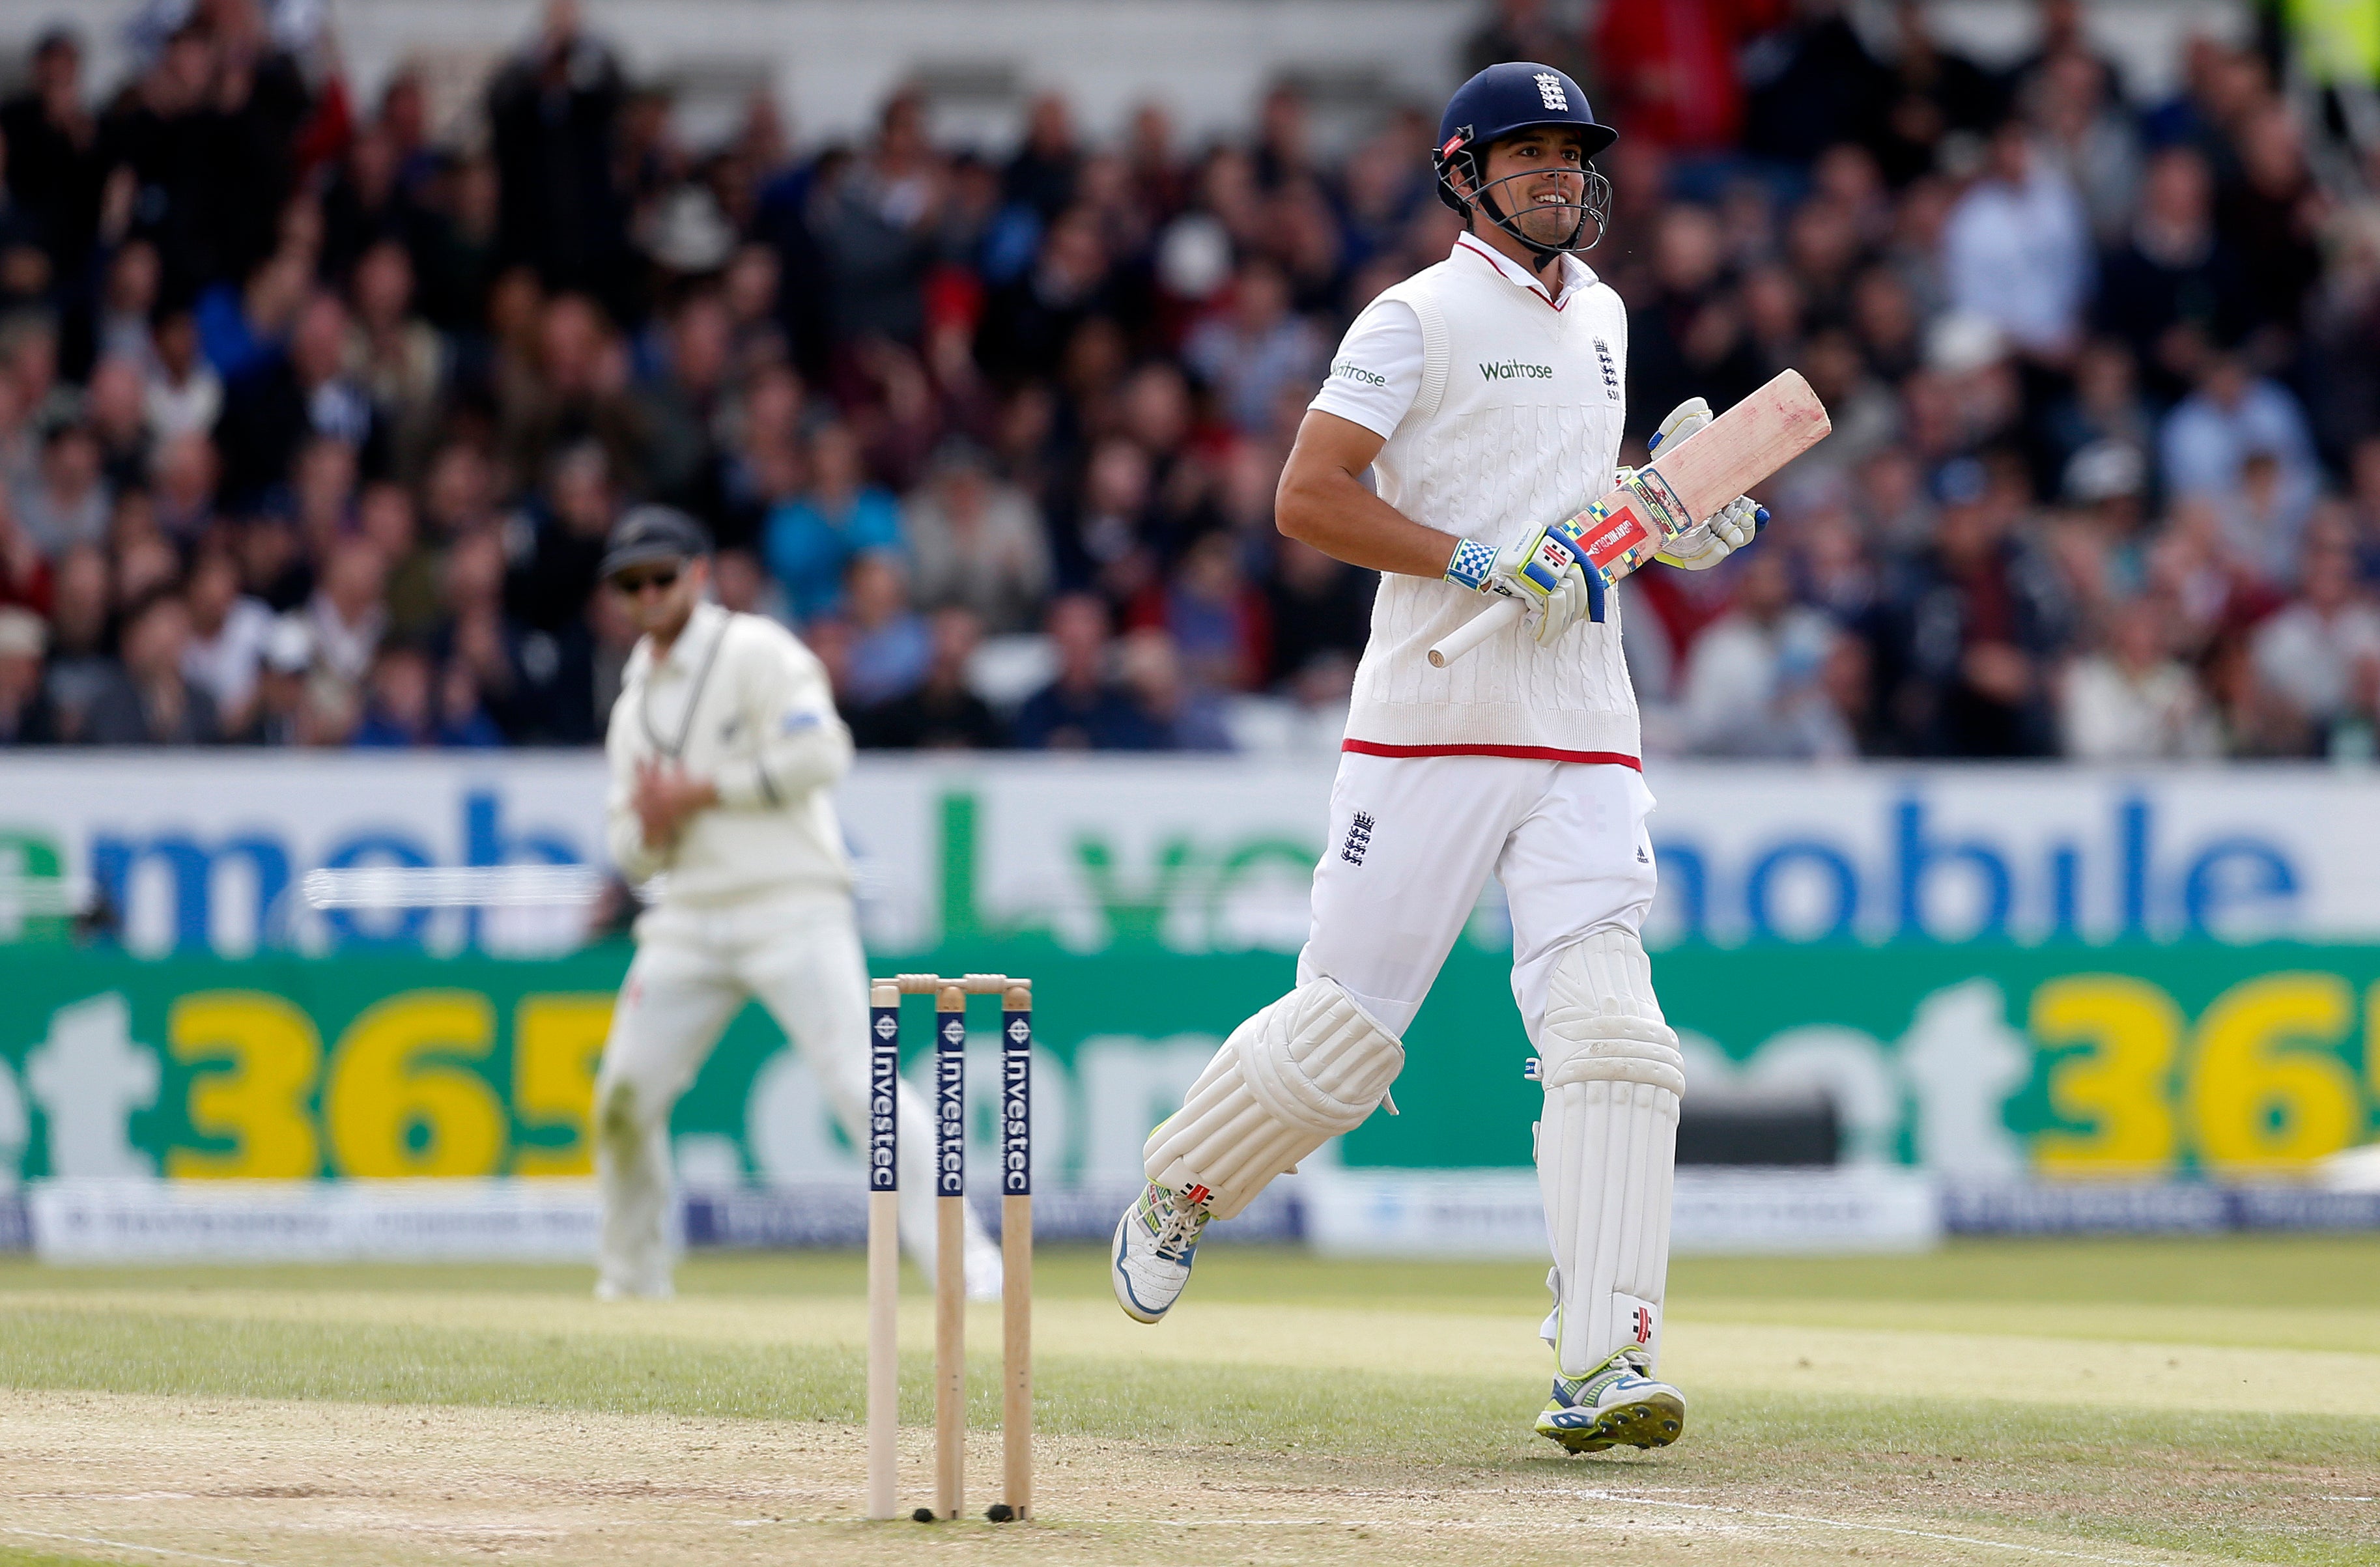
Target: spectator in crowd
[
  {"x": 399, "y": 705},
  {"x": 979, "y": 542},
  {"x": 1976, "y": 623},
  {"x": 2319, "y": 657},
  {"x": 82, "y": 662},
  {"x": 24, "y": 705},
  {"x": 2016, "y": 248},
  {"x": 1083, "y": 708},
  {"x": 55, "y": 165},
  {"x": 149, "y": 702},
  {"x": 891, "y": 648},
  {"x": 553, "y": 120},
  {"x": 2171, "y": 289},
  {"x": 118, "y": 424},
  {"x": 1249, "y": 354},
  {"x": 2133, "y": 700},
  {"x": 553, "y": 568},
  {"x": 67, "y": 505},
  {"x": 291, "y": 397},
  {"x": 943, "y": 713},
  {"x": 1170, "y": 711},
  {"x": 1754, "y": 684},
  {"x": 24, "y": 569},
  {"x": 183, "y": 394},
  {"x": 348, "y": 612},
  {"x": 228, "y": 633},
  {"x": 1320, "y": 611},
  {"x": 2234, "y": 413},
  {"x": 282, "y": 673},
  {"x": 2069, "y": 95},
  {"x": 813, "y": 538}
]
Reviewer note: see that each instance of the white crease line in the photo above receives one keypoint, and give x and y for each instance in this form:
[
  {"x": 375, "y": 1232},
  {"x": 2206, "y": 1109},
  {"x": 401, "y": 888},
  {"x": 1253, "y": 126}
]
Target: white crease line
[
  {"x": 124, "y": 1544},
  {"x": 1870, "y": 1528}
]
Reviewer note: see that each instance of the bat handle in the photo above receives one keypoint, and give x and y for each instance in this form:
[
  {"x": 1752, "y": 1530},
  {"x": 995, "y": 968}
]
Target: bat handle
[{"x": 1473, "y": 632}]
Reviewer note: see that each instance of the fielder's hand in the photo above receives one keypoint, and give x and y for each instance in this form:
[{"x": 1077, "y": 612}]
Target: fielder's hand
[{"x": 664, "y": 797}]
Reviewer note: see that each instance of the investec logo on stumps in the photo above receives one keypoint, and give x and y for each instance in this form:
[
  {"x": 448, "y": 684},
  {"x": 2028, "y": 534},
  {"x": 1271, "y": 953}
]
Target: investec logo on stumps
[
  {"x": 1516, "y": 370},
  {"x": 883, "y": 1102},
  {"x": 1016, "y": 1107},
  {"x": 950, "y": 1107}
]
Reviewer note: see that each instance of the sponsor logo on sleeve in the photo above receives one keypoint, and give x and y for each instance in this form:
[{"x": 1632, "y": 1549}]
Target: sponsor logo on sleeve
[{"x": 1348, "y": 370}]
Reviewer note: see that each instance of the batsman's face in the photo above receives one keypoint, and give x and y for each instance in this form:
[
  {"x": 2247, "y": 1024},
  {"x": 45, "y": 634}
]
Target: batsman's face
[{"x": 1538, "y": 176}]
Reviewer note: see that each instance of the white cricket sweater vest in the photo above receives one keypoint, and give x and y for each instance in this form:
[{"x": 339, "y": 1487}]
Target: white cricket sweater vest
[{"x": 1517, "y": 425}]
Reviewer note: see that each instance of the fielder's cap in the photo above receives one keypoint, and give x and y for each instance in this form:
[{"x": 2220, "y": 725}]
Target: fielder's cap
[{"x": 650, "y": 534}]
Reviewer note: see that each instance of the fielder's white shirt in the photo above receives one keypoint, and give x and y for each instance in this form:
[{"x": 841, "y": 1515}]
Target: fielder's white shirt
[
  {"x": 737, "y": 699},
  {"x": 1501, "y": 404}
]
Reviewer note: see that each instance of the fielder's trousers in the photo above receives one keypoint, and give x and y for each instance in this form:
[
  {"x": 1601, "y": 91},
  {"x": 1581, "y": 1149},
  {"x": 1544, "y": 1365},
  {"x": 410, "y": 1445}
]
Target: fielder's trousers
[{"x": 799, "y": 956}]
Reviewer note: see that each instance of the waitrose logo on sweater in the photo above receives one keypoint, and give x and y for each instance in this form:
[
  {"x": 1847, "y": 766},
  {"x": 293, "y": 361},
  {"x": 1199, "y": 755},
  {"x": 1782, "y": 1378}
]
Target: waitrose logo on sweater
[{"x": 1516, "y": 370}]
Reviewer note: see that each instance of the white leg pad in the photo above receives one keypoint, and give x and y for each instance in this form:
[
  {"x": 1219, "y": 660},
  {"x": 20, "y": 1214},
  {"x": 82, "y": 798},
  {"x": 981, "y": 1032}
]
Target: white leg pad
[
  {"x": 1289, "y": 1079},
  {"x": 1607, "y": 1149}
]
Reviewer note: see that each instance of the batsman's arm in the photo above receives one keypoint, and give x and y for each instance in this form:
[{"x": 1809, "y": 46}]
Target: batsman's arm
[
  {"x": 803, "y": 744},
  {"x": 1321, "y": 501}
]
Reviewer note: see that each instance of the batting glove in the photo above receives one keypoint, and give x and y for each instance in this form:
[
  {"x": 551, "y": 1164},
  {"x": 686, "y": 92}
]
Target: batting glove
[
  {"x": 1543, "y": 571},
  {"x": 1683, "y": 421},
  {"x": 1714, "y": 539}
]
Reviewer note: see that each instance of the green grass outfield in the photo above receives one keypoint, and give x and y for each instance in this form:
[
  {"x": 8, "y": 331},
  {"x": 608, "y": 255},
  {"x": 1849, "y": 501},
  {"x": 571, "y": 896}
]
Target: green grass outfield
[{"x": 2120, "y": 1401}]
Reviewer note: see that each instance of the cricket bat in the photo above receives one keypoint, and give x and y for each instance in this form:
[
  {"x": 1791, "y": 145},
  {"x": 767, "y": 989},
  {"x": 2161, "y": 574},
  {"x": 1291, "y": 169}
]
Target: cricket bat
[{"x": 1723, "y": 459}]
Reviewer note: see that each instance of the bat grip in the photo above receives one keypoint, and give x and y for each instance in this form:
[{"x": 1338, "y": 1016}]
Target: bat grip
[{"x": 1473, "y": 632}]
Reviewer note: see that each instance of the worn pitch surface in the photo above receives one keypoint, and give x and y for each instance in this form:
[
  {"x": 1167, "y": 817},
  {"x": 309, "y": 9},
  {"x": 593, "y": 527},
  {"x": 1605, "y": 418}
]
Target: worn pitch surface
[{"x": 2114, "y": 1401}]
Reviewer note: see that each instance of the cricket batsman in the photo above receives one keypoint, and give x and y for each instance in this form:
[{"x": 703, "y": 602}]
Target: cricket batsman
[
  {"x": 723, "y": 745},
  {"x": 1487, "y": 396}
]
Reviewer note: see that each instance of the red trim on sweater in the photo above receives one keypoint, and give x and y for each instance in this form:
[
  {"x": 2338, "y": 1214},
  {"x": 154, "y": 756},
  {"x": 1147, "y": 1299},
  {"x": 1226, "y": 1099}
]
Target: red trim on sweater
[
  {"x": 1533, "y": 285},
  {"x": 1517, "y": 753}
]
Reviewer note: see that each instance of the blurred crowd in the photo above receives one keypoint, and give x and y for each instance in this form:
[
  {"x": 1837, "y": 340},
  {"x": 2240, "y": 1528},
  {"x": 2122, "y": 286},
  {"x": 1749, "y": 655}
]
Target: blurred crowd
[{"x": 312, "y": 420}]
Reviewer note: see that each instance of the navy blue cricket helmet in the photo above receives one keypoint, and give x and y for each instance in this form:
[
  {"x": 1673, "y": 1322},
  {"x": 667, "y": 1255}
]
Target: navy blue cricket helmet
[{"x": 1502, "y": 100}]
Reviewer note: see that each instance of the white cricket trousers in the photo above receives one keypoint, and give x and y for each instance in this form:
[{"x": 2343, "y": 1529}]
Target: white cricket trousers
[
  {"x": 798, "y": 955},
  {"x": 1413, "y": 839}
]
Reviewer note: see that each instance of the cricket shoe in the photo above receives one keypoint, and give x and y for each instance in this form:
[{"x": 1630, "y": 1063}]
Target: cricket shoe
[
  {"x": 1156, "y": 1241},
  {"x": 1615, "y": 1404}
]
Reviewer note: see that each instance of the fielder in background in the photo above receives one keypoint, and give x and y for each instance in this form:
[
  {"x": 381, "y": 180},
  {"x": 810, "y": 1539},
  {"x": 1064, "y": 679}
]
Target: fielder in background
[
  {"x": 1487, "y": 396},
  {"x": 724, "y": 747}
]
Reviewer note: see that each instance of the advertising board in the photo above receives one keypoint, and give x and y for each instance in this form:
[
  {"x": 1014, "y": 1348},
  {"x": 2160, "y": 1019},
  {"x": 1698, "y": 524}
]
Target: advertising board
[{"x": 1198, "y": 854}]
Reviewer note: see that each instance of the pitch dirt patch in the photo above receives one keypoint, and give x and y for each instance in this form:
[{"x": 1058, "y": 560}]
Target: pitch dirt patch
[{"x": 290, "y": 1483}]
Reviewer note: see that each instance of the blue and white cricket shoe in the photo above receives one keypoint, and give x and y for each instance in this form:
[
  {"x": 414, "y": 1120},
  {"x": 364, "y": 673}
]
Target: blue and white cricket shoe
[
  {"x": 1156, "y": 1241},
  {"x": 1613, "y": 1406}
]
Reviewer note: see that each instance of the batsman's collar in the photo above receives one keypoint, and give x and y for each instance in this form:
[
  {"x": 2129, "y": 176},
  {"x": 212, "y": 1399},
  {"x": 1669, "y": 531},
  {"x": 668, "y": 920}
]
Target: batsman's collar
[{"x": 1575, "y": 274}]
